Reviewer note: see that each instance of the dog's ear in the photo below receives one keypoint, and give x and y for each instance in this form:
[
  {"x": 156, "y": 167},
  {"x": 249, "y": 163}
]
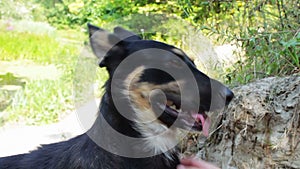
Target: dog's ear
[
  {"x": 125, "y": 34},
  {"x": 102, "y": 42}
]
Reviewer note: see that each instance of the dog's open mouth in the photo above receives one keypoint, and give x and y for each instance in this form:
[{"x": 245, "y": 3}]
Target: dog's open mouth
[{"x": 186, "y": 119}]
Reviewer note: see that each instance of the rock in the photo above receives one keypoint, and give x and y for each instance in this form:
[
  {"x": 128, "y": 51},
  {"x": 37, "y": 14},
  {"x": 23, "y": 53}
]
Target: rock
[{"x": 260, "y": 128}]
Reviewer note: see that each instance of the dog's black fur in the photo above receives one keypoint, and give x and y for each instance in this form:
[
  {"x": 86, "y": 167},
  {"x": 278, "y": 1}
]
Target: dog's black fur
[{"x": 82, "y": 152}]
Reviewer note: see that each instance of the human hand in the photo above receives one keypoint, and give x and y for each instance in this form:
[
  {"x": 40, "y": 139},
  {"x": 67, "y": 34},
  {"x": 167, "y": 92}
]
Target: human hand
[{"x": 195, "y": 164}]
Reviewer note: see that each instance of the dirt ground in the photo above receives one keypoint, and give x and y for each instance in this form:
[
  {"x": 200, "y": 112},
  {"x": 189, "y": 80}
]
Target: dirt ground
[{"x": 15, "y": 139}]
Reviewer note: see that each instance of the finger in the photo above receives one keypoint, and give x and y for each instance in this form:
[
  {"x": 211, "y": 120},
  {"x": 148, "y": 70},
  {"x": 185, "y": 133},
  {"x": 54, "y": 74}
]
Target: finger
[
  {"x": 198, "y": 163},
  {"x": 185, "y": 167},
  {"x": 180, "y": 167}
]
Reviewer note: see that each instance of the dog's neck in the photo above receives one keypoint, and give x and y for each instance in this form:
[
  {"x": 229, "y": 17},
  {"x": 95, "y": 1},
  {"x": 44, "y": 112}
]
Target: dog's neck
[{"x": 109, "y": 126}]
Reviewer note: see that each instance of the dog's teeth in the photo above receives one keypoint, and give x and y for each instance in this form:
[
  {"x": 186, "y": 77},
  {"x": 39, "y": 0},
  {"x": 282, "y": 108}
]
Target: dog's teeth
[{"x": 173, "y": 107}]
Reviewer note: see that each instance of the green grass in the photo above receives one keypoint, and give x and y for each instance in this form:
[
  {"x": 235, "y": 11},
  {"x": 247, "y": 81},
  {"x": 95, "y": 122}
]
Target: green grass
[
  {"x": 44, "y": 101},
  {"x": 39, "y": 48},
  {"x": 41, "y": 102}
]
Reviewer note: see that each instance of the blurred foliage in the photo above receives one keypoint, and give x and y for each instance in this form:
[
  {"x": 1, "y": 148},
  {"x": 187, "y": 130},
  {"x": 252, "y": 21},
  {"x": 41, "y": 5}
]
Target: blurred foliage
[
  {"x": 74, "y": 14},
  {"x": 266, "y": 30},
  {"x": 21, "y": 9}
]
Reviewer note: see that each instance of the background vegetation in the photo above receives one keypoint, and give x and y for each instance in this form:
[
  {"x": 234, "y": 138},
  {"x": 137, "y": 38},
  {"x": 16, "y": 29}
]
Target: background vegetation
[
  {"x": 50, "y": 32},
  {"x": 267, "y": 30}
]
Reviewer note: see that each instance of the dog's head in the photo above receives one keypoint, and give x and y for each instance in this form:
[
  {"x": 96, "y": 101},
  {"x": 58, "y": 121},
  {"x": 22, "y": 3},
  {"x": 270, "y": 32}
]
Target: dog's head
[{"x": 162, "y": 83}]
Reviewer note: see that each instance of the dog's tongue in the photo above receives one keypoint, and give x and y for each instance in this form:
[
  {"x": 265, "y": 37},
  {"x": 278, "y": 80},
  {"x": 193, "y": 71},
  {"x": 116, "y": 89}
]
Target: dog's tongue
[{"x": 205, "y": 123}]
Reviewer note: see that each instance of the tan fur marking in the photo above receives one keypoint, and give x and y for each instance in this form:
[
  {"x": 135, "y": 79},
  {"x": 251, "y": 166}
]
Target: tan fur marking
[
  {"x": 139, "y": 92},
  {"x": 158, "y": 136}
]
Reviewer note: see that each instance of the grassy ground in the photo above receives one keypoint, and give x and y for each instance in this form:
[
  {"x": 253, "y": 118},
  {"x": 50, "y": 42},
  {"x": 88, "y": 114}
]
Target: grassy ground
[{"x": 38, "y": 73}]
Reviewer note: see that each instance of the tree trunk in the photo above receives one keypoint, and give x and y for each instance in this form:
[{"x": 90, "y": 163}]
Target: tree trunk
[{"x": 260, "y": 128}]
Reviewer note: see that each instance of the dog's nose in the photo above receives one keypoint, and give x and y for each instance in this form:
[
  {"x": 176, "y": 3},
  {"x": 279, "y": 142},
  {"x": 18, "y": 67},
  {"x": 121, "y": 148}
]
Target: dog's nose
[{"x": 229, "y": 95}]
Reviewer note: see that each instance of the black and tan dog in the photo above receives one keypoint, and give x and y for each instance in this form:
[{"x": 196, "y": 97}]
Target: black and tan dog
[{"x": 153, "y": 89}]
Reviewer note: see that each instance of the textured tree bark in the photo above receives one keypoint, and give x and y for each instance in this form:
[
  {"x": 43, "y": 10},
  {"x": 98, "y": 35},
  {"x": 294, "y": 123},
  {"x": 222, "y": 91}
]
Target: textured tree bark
[{"x": 259, "y": 129}]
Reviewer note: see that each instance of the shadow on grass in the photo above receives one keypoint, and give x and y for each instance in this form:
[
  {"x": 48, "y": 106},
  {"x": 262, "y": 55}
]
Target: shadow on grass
[{"x": 9, "y": 85}]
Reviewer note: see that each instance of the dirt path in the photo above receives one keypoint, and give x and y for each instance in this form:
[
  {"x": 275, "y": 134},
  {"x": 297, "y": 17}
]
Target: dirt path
[
  {"x": 21, "y": 139},
  {"x": 30, "y": 70}
]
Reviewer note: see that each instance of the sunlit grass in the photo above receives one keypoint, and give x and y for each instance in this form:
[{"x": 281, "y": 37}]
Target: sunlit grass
[
  {"x": 39, "y": 48},
  {"x": 43, "y": 101}
]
